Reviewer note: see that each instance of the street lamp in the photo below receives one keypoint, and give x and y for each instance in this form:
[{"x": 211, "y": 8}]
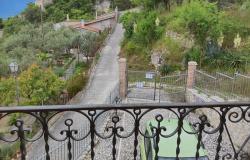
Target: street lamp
[
  {"x": 14, "y": 69},
  {"x": 159, "y": 62}
]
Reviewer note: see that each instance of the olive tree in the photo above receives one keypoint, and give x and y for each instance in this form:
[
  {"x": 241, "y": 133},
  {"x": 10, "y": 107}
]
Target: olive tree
[{"x": 87, "y": 45}]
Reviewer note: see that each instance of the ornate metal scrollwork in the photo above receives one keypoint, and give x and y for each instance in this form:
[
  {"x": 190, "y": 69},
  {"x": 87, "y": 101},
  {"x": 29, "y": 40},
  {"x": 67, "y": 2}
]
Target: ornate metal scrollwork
[
  {"x": 93, "y": 117},
  {"x": 157, "y": 133},
  {"x": 20, "y": 130}
]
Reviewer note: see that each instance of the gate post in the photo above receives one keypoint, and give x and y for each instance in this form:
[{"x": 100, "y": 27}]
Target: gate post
[
  {"x": 191, "y": 74},
  {"x": 123, "y": 77}
]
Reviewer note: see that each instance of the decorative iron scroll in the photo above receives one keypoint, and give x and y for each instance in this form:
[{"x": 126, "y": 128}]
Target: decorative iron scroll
[{"x": 217, "y": 119}]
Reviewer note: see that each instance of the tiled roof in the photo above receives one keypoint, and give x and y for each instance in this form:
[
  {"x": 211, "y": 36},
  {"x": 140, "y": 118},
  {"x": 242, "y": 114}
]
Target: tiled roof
[
  {"x": 101, "y": 18},
  {"x": 92, "y": 29},
  {"x": 86, "y": 26}
]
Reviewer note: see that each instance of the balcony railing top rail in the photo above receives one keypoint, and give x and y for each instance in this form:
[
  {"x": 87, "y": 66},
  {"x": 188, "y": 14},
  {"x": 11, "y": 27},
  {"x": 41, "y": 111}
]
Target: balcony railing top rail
[{"x": 120, "y": 106}]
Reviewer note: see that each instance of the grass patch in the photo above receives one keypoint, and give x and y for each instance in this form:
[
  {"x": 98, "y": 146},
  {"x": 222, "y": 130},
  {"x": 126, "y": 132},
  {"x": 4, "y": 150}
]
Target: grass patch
[
  {"x": 7, "y": 152},
  {"x": 138, "y": 57}
]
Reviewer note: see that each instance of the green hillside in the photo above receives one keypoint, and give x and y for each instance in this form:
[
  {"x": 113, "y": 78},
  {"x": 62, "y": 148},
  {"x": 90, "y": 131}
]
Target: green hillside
[{"x": 216, "y": 36}]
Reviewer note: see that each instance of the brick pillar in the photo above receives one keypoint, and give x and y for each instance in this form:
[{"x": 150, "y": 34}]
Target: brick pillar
[
  {"x": 123, "y": 77},
  {"x": 191, "y": 74}
]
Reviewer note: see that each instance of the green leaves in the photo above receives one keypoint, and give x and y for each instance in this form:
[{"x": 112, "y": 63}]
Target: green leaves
[
  {"x": 199, "y": 18},
  {"x": 152, "y": 4},
  {"x": 7, "y": 91},
  {"x": 13, "y": 25},
  {"x": 27, "y": 45},
  {"x": 78, "y": 81},
  {"x": 203, "y": 20},
  {"x": 140, "y": 35},
  {"x": 76, "y": 9},
  {"x": 128, "y": 20},
  {"x": 121, "y": 4},
  {"x": 58, "y": 41},
  {"x": 38, "y": 85},
  {"x": 1, "y": 23},
  {"x": 87, "y": 41},
  {"x": 194, "y": 54},
  {"x": 146, "y": 29},
  {"x": 32, "y": 13}
]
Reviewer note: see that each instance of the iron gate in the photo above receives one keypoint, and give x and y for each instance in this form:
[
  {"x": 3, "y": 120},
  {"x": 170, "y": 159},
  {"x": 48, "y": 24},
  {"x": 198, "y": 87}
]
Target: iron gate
[
  {"x": 149, "y": 85},
  {"x": 173, "y": 88},
  {"x": 143, "y": 85}
]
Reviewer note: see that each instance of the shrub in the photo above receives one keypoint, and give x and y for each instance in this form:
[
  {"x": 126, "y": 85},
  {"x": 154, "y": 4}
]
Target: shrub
[
  {"x": 76, "y": 84},
  {"x": 141, "y": 27},
  {"x": 59, "y": 71},
  {"x": 80, "y": 67},
  {"x": 199, "y": 18},
  {"x": 170, "y": 49},
  {"x": 78, "y": 81},
  {"x": 166, "y": 69},
  {"x": 7, "y": 91},
  {"x": 194, "y": 54},
  {"x": 39, "y": 85},
  {"x": 146, "y": 30},
  {"x": 128, "y": 20},
  {"x": 132, "y": 49},
  {"x": 121, "y": 4}
]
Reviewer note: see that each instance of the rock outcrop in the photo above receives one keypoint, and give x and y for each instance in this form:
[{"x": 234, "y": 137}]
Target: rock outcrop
[{"x": 43, "y": 2}]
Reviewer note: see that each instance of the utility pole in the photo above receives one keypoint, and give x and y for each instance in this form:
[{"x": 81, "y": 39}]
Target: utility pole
[{"x": 41, "y": 12}]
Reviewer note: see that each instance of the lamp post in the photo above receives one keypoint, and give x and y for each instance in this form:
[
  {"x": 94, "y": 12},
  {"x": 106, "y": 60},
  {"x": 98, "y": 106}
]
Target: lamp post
[
  {"x": 159, "y": 62},
  {"x": 14, "y": 69}
]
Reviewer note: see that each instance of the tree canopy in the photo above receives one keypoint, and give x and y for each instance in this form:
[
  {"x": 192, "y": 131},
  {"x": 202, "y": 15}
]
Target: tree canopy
[
  {"x": 76, "y": 9},
  {"x": 141, "y": 27},
  {"x": 27, "y": 41},
  {"x": 13, "y": 24},
  {"x": 30, "y": 41},
  {"x": 121, "y": 4},
  {"x": 38, "y": 86},
  {"x": 152, "y": 4},
  {"x": 1, "y": 23},
  {"x": 195, "y": 30},
  {"x": 32, "y": 13},
  {"x": 7, "y": 91}
]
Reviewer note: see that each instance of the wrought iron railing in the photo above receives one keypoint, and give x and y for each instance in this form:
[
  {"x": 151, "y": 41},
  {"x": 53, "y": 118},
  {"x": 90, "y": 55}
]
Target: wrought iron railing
[
  {"x": 58, "y": 148},
  {"x": 151, "y": 85},
  {"x": 222, "y": 128},
  {"x": 234, "y": 87}
]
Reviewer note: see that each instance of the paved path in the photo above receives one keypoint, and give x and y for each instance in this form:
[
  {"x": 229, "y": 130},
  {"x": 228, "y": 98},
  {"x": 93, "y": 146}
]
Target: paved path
[
  {"x": 105, "y": 78},
  {"x": 106, "y": 74}
]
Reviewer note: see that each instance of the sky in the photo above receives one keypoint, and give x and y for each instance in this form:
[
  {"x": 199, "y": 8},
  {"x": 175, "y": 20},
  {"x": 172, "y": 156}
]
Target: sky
[{"x": 10, "y": 8}]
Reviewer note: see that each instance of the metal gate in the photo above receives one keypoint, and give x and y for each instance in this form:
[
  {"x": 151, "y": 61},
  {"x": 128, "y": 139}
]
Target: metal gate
[
  {"x": 149, "y": 85},
  {"x": 173, "y": 88},
  {"x": 143, "y": 85}
]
